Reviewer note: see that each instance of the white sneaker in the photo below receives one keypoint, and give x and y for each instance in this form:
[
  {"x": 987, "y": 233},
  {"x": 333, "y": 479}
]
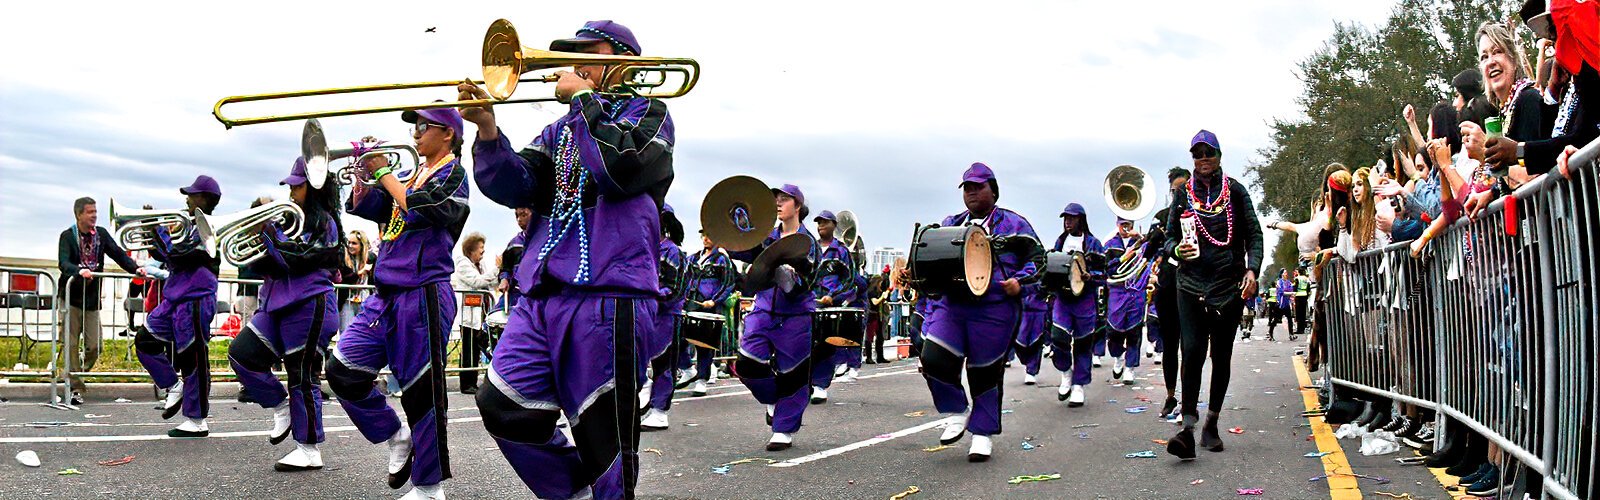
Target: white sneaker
[
  {"x": 850, "y": 376},
  {"x": 684, "y": 376},
  {"x": 818, "y": 395},
  {"x": 191, "y": 427},
  {"x": 714, "y": 375},
  {"x": 1099, "y": 361},
  {"x": 1118, "y": 369},
  {"x": 654, "y": 420},
  {"x": 982, "y": 447},
  {"x": 280, "y": 423},
  {"x": 1065, "y": 389},
  {"x": 1127, "y": 376},
  {"x": 954, "y": 431},
  {"x": 430, "y": 492},
  {"x": 699, "y": 388},
  {"x": 839, "y": 370},
  {"x": 399, "y": 449},
  {"x": 644, "y": 393},
  {"x": 1076, "y": 399},
  {"x": 304, "y": 457},
  {"x": 780, "y": 441},
  {"x": 1029, "y": 379},
  {"x": 174, "y": 401}
]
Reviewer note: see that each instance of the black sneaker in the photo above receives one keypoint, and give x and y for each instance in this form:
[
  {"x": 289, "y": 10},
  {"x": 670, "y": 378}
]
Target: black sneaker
[
  {"x": 1210, "y": 439},
  {"x": 1170, "y": 408},
  {"x": 76, "y": 399},
  {"x": 1396, "y": 424},
  {"x": 1182, "y": 445},
  {"x": 1423, "y": 437}
]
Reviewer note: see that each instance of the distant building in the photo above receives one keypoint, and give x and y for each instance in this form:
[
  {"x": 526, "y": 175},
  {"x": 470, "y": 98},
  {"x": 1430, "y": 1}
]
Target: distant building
[{"x": 882, "y": 256}]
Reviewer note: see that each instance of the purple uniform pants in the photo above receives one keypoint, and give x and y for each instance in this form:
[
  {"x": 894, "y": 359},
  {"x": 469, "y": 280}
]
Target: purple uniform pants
[
  {"x": 407, "y": 330},
  {"x": 977, "y": 336},
  {"x": 582, "y": 355},
  {"x": 174, "y": 343},
  {"x": 298, "y": 337},
  {"x": 1030, "y": 339},
  {"x": 664, "y": 360},
  {"x": 1125, "y": 344},
  {"x": 1071, "y": 345},
  {"x": 775, "y": 362}
]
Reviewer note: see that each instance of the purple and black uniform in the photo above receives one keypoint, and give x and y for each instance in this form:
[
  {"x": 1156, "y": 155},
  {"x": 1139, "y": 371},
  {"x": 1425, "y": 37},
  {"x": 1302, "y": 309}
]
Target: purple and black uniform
[
  {"x": 826, "y": 356},
  {"x": 775, "y": 350},
  {"x": 706, "y": 285},
  {"x": 178, "y": 331},
  {"x": 1127, "y": 304},
  {"x": 296, "y": 320},
  {"x": 664, "y": 344},
  {"x": 1074, "y": 320},
  {"x": 1029, "y": 343},
  {"x": 579, "y": 338},
  {"x": 851, "y": 356},
  {"x": 978, "y": 331},
  {"x": 405, "y": 324}
]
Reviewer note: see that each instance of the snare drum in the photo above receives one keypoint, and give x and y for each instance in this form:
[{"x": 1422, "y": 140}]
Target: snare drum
[
  {"x": 703, "y": 329},
  {"x": 1065, "y": 274},
  {"x": 951, "y": 260},
  {"x": 839, "y": 326}
]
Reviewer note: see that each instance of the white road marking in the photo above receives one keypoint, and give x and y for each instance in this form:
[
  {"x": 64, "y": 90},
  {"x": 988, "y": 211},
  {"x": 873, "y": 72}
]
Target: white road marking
[{"x": 863, "y": 443}]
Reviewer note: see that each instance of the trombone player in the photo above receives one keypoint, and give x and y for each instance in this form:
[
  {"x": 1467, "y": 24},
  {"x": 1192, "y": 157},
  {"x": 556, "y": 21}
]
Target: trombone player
[
  {"x": 177, "y": 332},
  {"x": 597, "y": 179}
]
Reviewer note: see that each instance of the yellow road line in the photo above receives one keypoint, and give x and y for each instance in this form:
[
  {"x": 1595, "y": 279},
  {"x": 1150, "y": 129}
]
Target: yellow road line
[{"x": 1340, "y": 487}]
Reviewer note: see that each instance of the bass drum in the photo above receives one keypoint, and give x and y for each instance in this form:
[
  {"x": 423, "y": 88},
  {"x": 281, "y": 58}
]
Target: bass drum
[
  {"x": 703, "y": 329},
  {"x": 1065, "y": 274},
  {"x": 952, "y": 260}
]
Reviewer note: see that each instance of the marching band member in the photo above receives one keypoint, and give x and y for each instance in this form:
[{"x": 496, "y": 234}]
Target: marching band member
[
  {"x": 1075, "y": 321},
  {"x": 298, "y": 317},
  {"x": 575, "y": 343},
  {"x": 977, "y": 331},
  {"x": 1126, "y": 302},
  {"x": 405, "y": 324},
  {"x": 1221, "y": 254},
  {"x": 831, "y": 291},
  {"x": 177, "y": 332},
  {"x": 664, "y": 343},
  {"x": 1029, "y": 341},
  {"x": 775, "y": 351},
  {"x": 708, "y": 292}
]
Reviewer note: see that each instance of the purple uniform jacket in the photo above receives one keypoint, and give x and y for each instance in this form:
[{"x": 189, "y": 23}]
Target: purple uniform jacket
[
  {"x": 671, "y": 300},
  {"x": 714, "y": 288},
  {"x": 1008, "y": 264},
  {"x": 843, "y": 292},
  {"x": 194, "y": 272},
  {"x": 1126, "y": 304},
  {"x": 298, "y": 269},
  {"x": 624, "y": 147},
  {"x": 773, "y": 300},
  {"x": 516, "y": 241},
  {"x": 1285, "y": 293},
  {"x": 418, "y": 252},
  {"x": 1064, "y": 309}
]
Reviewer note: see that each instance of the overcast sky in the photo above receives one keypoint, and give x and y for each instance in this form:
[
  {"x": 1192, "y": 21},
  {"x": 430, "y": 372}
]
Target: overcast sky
[{"x": 876, "y": 107}]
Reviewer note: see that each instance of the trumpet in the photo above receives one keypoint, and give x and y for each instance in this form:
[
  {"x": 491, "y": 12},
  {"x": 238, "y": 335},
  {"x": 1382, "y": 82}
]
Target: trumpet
[
  {"x": 136, "y": 229},
  {"x": 504, "y": 62},
  {"x": 238, "y": 235},
  {"x": 314, "y": 148}
]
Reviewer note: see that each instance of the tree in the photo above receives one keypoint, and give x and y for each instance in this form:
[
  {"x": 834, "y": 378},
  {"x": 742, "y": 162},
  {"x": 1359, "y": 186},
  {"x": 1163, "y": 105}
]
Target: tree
[{"x": 1355, "y": 87}]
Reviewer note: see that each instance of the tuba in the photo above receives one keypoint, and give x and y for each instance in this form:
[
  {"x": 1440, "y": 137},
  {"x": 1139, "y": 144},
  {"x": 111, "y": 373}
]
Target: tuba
[
  {"x": 238, "y": 235},
  {"x": 849, "y": 232},
  {"x": 136, "y": 229},
  {"x": 1132, "y": 193}
]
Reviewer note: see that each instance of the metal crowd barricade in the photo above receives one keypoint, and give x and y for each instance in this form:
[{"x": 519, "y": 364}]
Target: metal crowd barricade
[
  {"x": 35, "y": 318},
  {"x": 1495, "y": 328}
]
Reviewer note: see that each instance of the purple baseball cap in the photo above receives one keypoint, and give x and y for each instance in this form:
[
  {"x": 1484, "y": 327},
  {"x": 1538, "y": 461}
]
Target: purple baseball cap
[
  {"x": 297, "y": 174},
  {"x": 1207, "y": 138},
  {"x": 618, "y": 35},
  {"x": 978, "y": 173},
  {"x": 793, "y": 191},
  {"x": 448, "y": 117},
  {"x": 1121, "y": 220},
  {"x": 1072, "y": 209},
  {"x": 202, "y": 184},
  {"x": 666, "y": 208},
  {"x": 826, "y": 215}
]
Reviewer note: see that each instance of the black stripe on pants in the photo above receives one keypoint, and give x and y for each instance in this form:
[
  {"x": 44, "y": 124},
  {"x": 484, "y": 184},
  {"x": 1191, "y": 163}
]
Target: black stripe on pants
[
  {"x": 1205, "y": 326},
  {"x": 428, "y": 391},
  {"x": 609, "y": 428}
]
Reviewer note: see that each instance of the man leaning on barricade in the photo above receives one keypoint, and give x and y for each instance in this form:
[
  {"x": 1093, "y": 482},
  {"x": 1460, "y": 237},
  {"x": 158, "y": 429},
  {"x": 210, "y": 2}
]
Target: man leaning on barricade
[{"x": 81, "y": 253}]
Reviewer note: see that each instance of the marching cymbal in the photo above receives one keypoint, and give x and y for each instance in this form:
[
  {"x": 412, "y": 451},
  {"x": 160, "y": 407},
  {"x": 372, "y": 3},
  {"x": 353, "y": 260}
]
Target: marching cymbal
[
  {"x": 738, "y": 213},
  {"x": 794, "y": 250}
]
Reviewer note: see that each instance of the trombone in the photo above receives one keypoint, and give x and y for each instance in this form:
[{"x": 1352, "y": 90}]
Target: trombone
[{"x": 505, "y": 60}]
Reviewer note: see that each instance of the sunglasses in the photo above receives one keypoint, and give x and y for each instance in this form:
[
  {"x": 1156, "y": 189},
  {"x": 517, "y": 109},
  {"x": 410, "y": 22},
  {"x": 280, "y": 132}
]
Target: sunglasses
[
  {"x": 1205, "y": 152},
  {"x": 422, "y": 127}
]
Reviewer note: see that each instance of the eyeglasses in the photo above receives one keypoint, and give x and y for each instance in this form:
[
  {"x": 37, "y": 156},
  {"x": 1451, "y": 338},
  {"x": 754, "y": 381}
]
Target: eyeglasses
[
  {"x": 1205, "y": 152},
  {"x": 423, "y": 127}
]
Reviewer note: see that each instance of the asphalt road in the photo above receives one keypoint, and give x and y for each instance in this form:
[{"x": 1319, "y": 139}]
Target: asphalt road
[{"x": 868, "y": 441}]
